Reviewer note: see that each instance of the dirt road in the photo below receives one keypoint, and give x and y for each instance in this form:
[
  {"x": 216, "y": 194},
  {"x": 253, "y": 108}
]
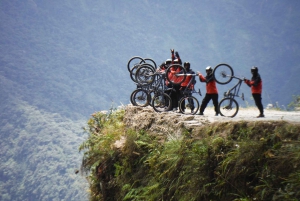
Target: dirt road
[{"x": 249, "y": 114}]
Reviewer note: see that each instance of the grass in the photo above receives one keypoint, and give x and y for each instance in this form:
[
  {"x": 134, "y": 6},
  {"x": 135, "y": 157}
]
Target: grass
[{"x": 224, "y": 161}]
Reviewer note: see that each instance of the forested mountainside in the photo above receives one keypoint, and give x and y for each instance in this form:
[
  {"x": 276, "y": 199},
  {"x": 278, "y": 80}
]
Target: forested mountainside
[
  {"x": 67, "y": 59},
  {"x": 70, "y": 56}
]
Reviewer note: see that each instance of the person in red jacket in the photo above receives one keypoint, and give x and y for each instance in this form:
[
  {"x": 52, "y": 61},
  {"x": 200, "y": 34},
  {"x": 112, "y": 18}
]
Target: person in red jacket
[
  {"x": 256, "y": 88},
  {"x": 211, "y": 90},
  {"x": 185, "y": 85},
  {"x": 175, "y": 95}
]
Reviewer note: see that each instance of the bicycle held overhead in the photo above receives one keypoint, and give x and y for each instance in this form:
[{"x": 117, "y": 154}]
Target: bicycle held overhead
[
  {"x": 228, "y": 106},
  {"x": 153, "y": 90}
]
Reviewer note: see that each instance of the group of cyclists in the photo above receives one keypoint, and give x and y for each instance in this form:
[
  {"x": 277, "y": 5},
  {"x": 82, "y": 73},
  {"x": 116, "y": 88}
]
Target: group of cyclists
[{"x": 211, "y": 88}]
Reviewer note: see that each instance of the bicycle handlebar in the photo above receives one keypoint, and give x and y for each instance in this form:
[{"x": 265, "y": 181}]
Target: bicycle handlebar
[{"x": 187, "y": 74}]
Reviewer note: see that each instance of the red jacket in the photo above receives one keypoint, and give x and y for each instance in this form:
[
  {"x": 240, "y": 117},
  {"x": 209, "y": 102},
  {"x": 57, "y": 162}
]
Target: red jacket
[
  {"x": 188, "y": 79},
  {"x": 172, "y": 75},
  {"x": 211, "y": 87},
  {"x": 255, "y": 83}
]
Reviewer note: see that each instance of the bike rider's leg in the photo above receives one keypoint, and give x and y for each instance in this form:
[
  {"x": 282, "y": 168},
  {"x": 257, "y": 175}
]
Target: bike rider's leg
[
  {"x": 175, "y": 97},
  {"x": 191, "y": 103},
  {"x": 182, "y": 106},
  {"x": 204, "y": 103},
  {"x": 216, "y": 103},
  {"x": 257, "y": 99}
]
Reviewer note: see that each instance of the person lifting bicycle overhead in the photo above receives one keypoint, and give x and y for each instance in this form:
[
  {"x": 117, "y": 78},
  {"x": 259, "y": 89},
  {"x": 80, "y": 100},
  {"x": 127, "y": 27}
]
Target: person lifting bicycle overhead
[
  {"x": 256, "y": 88},
  {"x": 211, "y": 90},
  {"x": 176, "y": 94}
]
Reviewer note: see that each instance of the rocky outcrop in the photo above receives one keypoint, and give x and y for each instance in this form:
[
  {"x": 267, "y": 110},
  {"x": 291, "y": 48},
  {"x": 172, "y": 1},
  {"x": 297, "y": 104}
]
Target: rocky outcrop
[{"x": 145, "y": 118}]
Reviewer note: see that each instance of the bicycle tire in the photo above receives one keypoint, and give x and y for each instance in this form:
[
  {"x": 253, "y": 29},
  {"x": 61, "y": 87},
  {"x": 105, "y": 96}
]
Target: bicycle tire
[
  {"x": 172, "y": 77},
  {"x": 187, "y": 102},
  {"x": 140, "y": 97},
  {"x": 131, "y": 97},
  {"x": 228, "y": 107},
  {"x": 223, "y": 73},
  {"x": 161, "y": 102},
  {"x": 136, "y": 60},
  {"x": 151, "y": 61},
  {"x": 133, "y": 73},
  {"x": 145, "y": 75}
]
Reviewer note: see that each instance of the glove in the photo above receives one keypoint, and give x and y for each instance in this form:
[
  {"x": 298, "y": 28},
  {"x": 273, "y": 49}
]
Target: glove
[
  {"x": 177, "y": 55},
  {"x": 172, "y": 51}
]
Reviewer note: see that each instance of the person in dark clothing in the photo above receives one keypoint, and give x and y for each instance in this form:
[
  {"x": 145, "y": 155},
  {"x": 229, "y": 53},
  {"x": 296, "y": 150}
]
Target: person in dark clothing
[
  {"x": 185, "y": 83},
  {"x": 211, "y": 90},
  {"x": 256, "y": 88}
]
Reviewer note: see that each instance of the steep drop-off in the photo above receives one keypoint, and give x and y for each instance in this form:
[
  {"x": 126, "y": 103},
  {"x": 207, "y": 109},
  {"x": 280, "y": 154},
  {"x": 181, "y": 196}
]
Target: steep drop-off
[{"x": 137, "y": 154}]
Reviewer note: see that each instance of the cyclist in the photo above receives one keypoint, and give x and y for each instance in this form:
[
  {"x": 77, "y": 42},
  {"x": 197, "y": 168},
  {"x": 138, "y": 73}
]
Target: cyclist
[
  {"x": 256, "y": 88},
  {"x": 211, "y": 90},
  {"x": 184, "y": 85},
  {"x": 176, "y": 93}
]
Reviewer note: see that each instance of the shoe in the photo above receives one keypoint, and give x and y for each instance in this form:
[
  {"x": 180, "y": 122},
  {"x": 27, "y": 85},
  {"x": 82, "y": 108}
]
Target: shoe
[
  {"x": 201, "y": 113},
  {"x": 261, "y": 115},
  {"x": 192, "y": 111},
  {"x": 174, "y": 109},
  {"x": 216, "y": 114}
]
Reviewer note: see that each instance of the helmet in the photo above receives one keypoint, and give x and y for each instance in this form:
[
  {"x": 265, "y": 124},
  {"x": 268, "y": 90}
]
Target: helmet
[
  {"x": 168, "y": 61},
  {"x": 208, "y": 70},
  {"x": 254, "y": 70},
  {"x": 187, "y": 65}
]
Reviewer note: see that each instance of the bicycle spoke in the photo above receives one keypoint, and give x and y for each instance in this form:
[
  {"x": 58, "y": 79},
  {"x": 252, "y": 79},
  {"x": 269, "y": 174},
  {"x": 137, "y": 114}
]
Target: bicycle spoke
[
  {"x": 188, "y": 105},
  {"x": 223, "y": 73},
  {"x": 141, "y": 98},
  {"x": 161, "y": 102},
  {"x": 145, "y": 75},
  {"x": 228, "y": 107},
  {"x": 176, "y": 74}
]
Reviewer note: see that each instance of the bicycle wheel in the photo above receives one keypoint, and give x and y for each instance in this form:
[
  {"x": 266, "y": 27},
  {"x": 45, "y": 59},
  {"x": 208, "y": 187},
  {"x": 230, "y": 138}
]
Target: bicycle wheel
[
  {"x": 176, "y": 74},
  {"x": 134, "y": 61},
  {"x": 145, "y": 75},
  {"x": 189, "y": 105},
  {"x": 161, "y": 102},
  {"x": 228, "y": 107},
  {"x": 140, "y": 97},
  {"x": 223, "y": 73}
]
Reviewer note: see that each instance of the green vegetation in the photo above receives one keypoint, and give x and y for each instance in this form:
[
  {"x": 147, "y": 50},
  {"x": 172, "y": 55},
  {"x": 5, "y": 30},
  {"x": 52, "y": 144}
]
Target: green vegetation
[
  {"x": 224, "y": 161},
  {"x": 295, "y": 104},
  {"x": 39, "y": 155}
]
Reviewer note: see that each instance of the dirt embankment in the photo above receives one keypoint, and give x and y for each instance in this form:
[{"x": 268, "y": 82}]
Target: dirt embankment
[{"x": 139, "y": 118}]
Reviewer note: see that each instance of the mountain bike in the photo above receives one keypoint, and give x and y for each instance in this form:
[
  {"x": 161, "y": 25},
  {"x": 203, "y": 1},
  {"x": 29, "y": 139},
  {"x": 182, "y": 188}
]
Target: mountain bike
[
  {"x": 160, "y": 100},
  {"x": 228, "y": 106}
]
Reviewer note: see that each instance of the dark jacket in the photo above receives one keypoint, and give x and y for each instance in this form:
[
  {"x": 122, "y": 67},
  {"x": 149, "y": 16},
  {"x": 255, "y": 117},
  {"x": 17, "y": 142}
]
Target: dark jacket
[{"x": 255, "y": 83}]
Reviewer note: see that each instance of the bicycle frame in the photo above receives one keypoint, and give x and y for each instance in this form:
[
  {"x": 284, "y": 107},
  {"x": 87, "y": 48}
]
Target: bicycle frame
[
  {"x": 234, "y": 91},
  {"x": 187, "y": 89}
]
